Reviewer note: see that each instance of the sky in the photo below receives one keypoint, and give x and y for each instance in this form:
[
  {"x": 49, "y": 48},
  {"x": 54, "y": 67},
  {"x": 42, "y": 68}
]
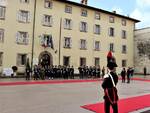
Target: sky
[{"x": 138, "y": 9}]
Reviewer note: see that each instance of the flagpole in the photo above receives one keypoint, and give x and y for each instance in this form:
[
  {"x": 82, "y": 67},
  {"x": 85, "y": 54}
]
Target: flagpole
[{"x": 33, "y": 36}]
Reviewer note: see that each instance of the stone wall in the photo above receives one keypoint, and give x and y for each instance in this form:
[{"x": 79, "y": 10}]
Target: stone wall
[{"x": 142, "y": 50}]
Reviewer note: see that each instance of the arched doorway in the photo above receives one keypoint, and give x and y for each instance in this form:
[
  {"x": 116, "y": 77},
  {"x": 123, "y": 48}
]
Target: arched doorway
[{"x": 45, "y": 59}]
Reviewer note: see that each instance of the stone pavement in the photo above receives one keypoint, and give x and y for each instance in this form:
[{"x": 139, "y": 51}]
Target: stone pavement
[{"x": 61, "y": 98}]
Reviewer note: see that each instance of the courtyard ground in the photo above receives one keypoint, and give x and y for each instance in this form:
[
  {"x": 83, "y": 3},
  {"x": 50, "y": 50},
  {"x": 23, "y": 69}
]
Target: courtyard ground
[{"x": 62, "y": 97}]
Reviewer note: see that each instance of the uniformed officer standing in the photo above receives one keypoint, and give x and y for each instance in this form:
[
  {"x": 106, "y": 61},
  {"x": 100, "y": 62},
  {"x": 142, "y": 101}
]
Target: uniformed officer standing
[
  {"x": 103, "y": 71},
  {"x": 72, "y": 72},
  {"x": 36, "y": 72},
  {"x": 123, "y": 75},
  {"x": 145, "y": 71},
  {"x": 109, "y": 85},
  {"x": 128, "y": 74},
  {"x": 28, "y": 73}
]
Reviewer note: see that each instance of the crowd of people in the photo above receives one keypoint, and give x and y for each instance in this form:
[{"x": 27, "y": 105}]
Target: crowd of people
[
  {"x": 127, "y": 74},
  {"x": 67, "y": 72}
]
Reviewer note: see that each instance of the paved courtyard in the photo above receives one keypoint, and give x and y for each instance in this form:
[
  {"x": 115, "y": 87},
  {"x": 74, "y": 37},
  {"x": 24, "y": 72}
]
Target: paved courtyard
[{"x": 61, "y": 98}]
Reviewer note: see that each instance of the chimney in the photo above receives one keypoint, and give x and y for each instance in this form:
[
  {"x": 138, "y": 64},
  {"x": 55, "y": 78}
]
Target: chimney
[
  {"x": 84, "y": 2},
  {"x": 114, "y": 12}
]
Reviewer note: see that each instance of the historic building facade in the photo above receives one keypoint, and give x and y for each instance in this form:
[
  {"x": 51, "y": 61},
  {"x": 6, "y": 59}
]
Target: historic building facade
[
  {"x": 142, "y": 50},
  {"x": 62, "y": 33}
]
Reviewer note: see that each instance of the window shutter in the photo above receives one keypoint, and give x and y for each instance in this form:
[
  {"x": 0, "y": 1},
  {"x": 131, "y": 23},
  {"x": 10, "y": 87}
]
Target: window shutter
[
  {"x": 94, "y": 28},
  {"x": 29, "y": 16},
  {"x": 64, "y": 43},
  {"x": 64, "y": 23},
  {"x": 43, "y": 20},
  {"x": 42, "y": 39},
  {"x": 86, "y": 27},
  {"x": 18, "y": 15},
  {"x": 46, "y": 4},
  {"x": 80, "y": 26},
  {"x": 51, "y": 21},
  {"x": 79, "y": 42},
  {"x": 113, "y": 48},
  {"x": 17, "y": 37},
  {"x": 27, "y": 39},
  {"x": 85, "y": 44},
  {"x": 99, "y": 45},
  {"x": 94, "y": 45},
  {"x": 18, "y": 60},
  {"x": 109, "y": 31},
  {"x": 70, "y": 42},
  {"x": 109, "y": 47},
  {"x": 71, "y": 24}
]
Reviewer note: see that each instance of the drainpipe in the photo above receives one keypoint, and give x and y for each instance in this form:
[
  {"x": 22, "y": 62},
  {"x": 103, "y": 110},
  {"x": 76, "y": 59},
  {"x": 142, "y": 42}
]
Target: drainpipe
[{"x": 60, "y": 40}]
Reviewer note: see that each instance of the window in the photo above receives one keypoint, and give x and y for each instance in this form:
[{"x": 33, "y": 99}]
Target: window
[
  {"x": 68, "y": 24},
  {"x": 1, "y": 35},
  {"x": 48, "y": 4},
  {"x": 82, "y": 61},
  {"x": 24, "y": 1},
  {"x": 111, "y": 47},
  {"x": 97, "y": 29},
  {"x": 1, "y": 58},
  {"x": 84, "y": 12},
  {"x": 68, "y": 9},
  {"x": 22, "y": 37},
  {"x": 97, "y": 45},
  {"x": 66, "y": 60},
  {"x": 23, "y": 16},
  {"x": 46, "y": 41},
  {"x": 97, "y": 16},
  {"x": 123, "y": 22},
  {"x": 111, "y": 31},
  {"x": 111, "y": 19},
  {"x": 83, "y": 27},
  {"x": 124, "y": 63},
  {"x": 21, "y": 59},
  {"x": 67, "y": 43},
  {"x": 124, "y": 34},
  {"x": 124, "y": 49},
  {"x": 47, "y": 20},
  {"x": 96, "y": 61},
  {"x": 2, "y": 12},
  {"x": 82, "y": 44}
]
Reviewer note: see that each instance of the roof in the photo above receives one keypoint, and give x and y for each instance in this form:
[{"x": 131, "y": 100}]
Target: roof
[{"x": 97, "y": 9}]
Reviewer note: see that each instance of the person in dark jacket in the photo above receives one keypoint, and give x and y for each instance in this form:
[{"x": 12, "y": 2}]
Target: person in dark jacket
[
  {"x": 145, "y": 71},
  {"x": 128, "y": 74},
  {"x": 123, "y": 75},
  {"x": 28, "y": 73},
  {"x": 109, "y": 85}
]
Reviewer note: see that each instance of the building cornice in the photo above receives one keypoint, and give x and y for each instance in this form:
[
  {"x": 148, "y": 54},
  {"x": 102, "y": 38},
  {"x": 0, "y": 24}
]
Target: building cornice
[{"x": 97, "y": 9}]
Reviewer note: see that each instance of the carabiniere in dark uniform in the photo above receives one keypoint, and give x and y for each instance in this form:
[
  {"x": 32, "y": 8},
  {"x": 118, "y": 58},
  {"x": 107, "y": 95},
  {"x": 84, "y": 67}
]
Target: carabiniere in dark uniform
[{"x": 109, "y": 85}]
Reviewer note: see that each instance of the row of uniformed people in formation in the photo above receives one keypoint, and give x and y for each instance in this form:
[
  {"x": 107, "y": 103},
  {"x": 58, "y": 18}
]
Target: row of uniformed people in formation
[
  {"x": 51, "y": 72},
  {"x": 91, "y": 71}
]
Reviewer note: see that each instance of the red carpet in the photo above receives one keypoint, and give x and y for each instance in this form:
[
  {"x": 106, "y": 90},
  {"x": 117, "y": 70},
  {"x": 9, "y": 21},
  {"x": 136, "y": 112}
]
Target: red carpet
[
  {"x": 56, "y": 81},
  {"x": 124, "y": 105},
  {"x": 45, "y": 82}
]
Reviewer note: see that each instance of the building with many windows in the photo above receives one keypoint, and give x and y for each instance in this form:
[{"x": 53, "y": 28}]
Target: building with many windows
[{"x": 63, "y": 33}]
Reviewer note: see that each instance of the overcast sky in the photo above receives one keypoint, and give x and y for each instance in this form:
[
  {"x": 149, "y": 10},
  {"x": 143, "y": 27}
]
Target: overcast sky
[{"x": 138, "y": 9}]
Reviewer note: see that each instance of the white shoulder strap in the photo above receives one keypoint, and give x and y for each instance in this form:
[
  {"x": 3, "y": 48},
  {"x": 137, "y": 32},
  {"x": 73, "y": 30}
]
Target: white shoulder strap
[{"x": 112, "y": 79}]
